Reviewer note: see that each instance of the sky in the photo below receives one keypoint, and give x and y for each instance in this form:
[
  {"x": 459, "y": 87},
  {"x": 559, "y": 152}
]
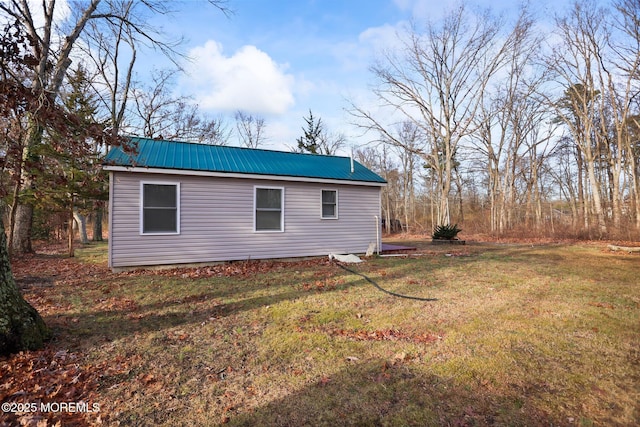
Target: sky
[{"x": 280, "y": 59}]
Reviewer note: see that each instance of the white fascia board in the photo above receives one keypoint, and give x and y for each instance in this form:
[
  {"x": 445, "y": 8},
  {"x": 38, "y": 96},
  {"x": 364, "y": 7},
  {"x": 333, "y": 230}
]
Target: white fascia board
[{"x": 239, "y": 175}]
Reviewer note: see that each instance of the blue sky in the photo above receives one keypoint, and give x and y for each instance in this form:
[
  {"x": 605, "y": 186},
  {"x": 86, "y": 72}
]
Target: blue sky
[{"x": 278, "y": 59}]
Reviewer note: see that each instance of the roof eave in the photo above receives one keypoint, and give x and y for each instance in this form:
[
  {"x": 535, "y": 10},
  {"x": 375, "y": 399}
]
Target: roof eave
[{"x": 190, "y": 172}]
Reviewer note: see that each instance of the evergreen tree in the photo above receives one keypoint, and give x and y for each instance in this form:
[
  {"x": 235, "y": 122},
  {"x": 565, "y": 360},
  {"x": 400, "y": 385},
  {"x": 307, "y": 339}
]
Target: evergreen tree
[
  {"x": 73, "y": 158},
  {"x": 311, "y": 141},
  {"x": 64, "y": 145}
]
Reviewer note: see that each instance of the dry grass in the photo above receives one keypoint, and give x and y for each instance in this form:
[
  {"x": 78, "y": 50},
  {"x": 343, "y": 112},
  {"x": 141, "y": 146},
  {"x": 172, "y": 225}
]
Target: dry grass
[{"x": 520, "y": 335}]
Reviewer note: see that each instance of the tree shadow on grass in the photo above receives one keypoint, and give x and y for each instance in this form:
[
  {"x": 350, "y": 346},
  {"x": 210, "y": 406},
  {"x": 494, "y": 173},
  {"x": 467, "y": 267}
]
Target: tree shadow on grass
[
  {"x": 120, "y": 317},
  {"x": 380, "y": 392},
  {"x": 116, "y": 314}
]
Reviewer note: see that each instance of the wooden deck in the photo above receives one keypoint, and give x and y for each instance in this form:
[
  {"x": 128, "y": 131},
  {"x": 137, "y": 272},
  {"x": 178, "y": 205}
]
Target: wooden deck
[{"x": 386, "y": 248}]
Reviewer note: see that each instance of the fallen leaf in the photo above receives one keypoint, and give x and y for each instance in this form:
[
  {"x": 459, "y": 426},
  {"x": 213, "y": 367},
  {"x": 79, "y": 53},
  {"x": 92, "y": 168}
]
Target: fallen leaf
[
  {"x": 324, "y": 381},
  {"x": 400, "y": 357}
]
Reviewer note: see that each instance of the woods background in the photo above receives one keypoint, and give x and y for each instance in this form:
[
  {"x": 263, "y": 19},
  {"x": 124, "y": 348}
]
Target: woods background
[{"x": 504, "y": 126}]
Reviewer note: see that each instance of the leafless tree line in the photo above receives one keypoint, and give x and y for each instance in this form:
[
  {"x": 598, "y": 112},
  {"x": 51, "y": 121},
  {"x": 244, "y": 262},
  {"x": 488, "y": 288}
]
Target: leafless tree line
[
  {"x": 510, "y": 128},
  {"x": 476, "y": 119},
  {"x": 102, "y": 39}
]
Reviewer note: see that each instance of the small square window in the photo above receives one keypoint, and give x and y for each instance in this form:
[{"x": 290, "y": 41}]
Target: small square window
[{"x": 160, "y": 208}]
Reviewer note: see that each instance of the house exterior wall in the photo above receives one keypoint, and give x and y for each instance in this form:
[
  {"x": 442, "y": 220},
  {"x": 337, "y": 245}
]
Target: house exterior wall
[{"x": 217, "y": 221}]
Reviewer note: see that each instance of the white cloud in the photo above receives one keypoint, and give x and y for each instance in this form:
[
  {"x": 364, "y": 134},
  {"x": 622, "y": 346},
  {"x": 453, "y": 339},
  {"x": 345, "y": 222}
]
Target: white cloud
[
  {"x": 248, "y": 80},
  {"x": 385, "y": 37},
  {"x": 423, "y": 9}
]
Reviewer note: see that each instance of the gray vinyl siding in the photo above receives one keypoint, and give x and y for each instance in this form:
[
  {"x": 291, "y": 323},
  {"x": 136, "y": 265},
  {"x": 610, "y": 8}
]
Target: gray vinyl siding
[{"x": 217, "y": 221}]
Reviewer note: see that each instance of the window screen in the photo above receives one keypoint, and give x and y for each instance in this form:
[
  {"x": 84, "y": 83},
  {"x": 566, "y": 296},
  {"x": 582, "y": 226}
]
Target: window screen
[
  {"x": 269, "y": 209},
  {"x": 159, "y": 208},
  {"x": 329, "y": 204}
]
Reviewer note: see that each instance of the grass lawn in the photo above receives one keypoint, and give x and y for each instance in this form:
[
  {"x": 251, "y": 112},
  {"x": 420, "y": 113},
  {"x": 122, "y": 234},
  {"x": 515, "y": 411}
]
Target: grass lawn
[{"x": 519, "y": 335}]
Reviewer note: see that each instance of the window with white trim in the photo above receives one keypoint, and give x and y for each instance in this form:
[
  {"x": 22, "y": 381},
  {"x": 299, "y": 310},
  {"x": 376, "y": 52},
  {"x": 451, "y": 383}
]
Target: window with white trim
[
  {"x": 160, "y": 208},
  {"x": 269, "y": 209},
  {"x": 329, "y": 204}
]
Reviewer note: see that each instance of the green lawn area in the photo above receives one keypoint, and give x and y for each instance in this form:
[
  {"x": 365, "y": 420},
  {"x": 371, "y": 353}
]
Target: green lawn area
[{"x": 519, "y": 335}]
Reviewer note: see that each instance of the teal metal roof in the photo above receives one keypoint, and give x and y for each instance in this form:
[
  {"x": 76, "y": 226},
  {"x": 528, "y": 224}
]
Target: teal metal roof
[{"x": 162, "y": 154}]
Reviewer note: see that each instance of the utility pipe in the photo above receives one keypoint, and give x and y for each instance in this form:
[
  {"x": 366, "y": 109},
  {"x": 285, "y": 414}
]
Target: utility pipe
[{"x": 377, "y": 234}]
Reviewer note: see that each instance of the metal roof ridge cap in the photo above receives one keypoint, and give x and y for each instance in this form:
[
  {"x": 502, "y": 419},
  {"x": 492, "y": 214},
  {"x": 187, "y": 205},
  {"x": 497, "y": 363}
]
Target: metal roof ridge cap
[{"x": 231, "y": 147}]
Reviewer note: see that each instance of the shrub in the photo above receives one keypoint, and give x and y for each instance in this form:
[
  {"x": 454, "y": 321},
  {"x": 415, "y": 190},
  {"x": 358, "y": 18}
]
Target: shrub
[{"x": 445, "y": 232}]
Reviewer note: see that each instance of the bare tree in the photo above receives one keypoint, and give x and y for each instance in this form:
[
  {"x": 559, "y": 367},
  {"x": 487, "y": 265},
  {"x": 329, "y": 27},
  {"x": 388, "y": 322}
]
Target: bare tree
[
  {"x": 158, "y": 114},
  {"x": 380, "y": 160},
  {"x": 52, "y": 48},
  {"x": 50, "y": 63},
  {"x": 437, "y": 82},
  {"x": 154, "y": 105},
  {"x": 509, "y": 123},
  {"x": 111, "y": 47},
  {"x": 626, "y": 60},
  {"x": 578, "y": 62},
  {"x": 190, "y": 124},
  {"x": 410, "y": 137},
  {"x": 250, "y": 129}
]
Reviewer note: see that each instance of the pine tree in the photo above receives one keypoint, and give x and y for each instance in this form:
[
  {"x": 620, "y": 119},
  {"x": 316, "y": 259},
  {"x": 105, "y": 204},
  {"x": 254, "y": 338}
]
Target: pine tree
[{"x": 311, "y": 141}]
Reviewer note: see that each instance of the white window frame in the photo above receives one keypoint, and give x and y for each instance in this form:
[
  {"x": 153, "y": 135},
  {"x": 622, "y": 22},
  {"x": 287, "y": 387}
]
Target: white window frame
[
  {"x": 141, "y": 216},
  {"x": 322, "y": 203},
  {"x": 255, "y": 208}
]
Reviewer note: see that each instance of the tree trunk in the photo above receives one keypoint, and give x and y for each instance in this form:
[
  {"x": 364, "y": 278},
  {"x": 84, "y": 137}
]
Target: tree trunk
[
  {"x": 493, "y": 172},
  {"x": 444, "y": 218},
  {"x": 636, "y": 191},
  {"x": 21, "y": 327},
  {"x": 444, "y": 189},
  {"x": 584, "y": 210},
  {"x": 21, "y": 237},
  {"x": 97, "y": 225},
  {"x": 459, "y": 190},
  {"x": 597, "y": 201},
  {"x": 81, "y": 220},
  {"x": 21, "y": 242},
  {"x": 71, "y": 249},
  {"x": 12, "y": 215}
]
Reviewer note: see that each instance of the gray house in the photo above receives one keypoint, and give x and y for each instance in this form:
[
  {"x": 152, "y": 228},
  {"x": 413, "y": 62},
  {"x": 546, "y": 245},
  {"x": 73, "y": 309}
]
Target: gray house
[{"x": 175, "y": 202}]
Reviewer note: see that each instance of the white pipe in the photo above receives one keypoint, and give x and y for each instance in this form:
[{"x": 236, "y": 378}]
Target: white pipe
[
  {"x": 377, "y": 234},
  {"x": 351, "y": 159}
]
